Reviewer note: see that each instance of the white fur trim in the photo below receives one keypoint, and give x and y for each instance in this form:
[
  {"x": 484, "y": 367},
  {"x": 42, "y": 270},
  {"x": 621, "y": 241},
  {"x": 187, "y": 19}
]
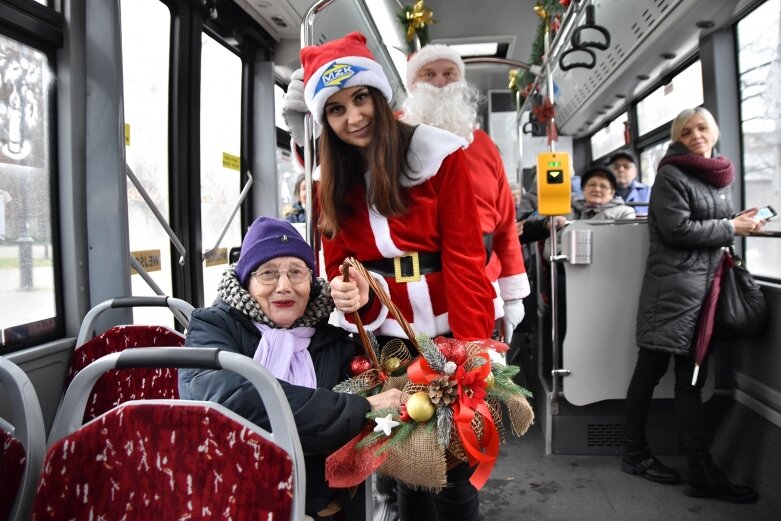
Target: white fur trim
[
  {"x": 514, "y": 286},
  {"x": 498, "y": 302},
  {"x": 373, "y": 76},
  {"x": 428, "y": 148},
  {"x": 374, "y": 324},
  {"x": 382, "y": 236},
  {"x": 422, "y": 309},
  {"x": 428, "y": 54},
  {"x": 392, "y": 328}
]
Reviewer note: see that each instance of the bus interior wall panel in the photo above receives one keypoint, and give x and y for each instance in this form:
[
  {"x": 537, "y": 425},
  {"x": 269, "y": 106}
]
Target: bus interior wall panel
[{"x": 640, "y": 32}]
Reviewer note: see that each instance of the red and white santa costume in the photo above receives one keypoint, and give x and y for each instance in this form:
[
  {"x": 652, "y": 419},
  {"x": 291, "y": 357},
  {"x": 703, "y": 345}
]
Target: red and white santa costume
[
  {"x": 495, "y": 204},
  {"x": 496, "y": 208},
  {"x": 441, "y": 217}
]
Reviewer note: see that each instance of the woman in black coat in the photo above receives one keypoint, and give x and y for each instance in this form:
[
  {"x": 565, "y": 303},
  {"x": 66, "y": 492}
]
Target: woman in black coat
[
  {"x": 272, "y": 309},
  {"x": 689, "y": 224}
]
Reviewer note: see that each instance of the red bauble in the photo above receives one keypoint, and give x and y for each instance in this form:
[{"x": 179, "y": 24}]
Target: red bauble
[
  {"x": 453, "y": 349},
  {"x": 359, "y": 365}
]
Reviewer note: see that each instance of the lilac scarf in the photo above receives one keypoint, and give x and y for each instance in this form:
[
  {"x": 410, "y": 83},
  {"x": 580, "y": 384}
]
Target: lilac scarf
[
  {"x": 716, "y": 171},
  {"x": 284, "y": 353}
]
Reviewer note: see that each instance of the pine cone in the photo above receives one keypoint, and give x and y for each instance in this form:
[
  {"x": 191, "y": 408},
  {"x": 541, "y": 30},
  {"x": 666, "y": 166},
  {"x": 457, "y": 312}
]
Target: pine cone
[{"x": 443, "y": 389}]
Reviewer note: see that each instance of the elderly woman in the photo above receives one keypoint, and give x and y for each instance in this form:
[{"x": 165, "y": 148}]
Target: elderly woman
[
  {"x": 689, "y": 224},
  {"x": 599, "y": 200},
  {"x": 272, "y": 309}
]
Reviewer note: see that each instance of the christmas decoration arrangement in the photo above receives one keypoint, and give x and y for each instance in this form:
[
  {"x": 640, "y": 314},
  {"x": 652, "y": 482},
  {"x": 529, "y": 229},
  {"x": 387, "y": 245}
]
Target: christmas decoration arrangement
[
  {"x": 416, "y": 18},
  {"x": 455, "y": 393}
]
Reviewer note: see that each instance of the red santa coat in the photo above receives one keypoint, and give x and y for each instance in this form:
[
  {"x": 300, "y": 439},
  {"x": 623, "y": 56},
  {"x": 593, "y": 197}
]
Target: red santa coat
[
  {"x": 441, "y": 217},
  {"x": 496, "y": 208}
]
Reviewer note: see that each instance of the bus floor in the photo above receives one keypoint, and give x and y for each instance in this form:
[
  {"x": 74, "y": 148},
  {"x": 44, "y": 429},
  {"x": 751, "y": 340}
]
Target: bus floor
[{"x": 526, "y": 485}]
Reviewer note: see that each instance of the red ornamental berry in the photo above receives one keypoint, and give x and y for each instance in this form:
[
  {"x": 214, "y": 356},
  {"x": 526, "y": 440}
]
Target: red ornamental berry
[
  {"x": 453, "y": 349},
  {"x": 359, "y": 365}
]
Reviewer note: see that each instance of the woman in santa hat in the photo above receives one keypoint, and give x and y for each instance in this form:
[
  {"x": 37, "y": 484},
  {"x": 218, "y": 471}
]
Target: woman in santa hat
[{"x": 399, "y": 199}]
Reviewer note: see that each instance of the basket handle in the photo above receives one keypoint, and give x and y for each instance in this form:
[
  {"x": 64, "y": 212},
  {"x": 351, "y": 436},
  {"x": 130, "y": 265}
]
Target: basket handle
[{"x": 380, "y": 292}]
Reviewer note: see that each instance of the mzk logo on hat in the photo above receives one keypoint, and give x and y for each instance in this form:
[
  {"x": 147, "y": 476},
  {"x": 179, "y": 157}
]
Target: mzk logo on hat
[{"x": 337, "y": 74}]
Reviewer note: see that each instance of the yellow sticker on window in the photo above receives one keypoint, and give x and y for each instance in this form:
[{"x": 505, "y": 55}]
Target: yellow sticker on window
[
  {"x": 217, "y": 257},
  {"x": 231, "y": 161},
  {"x": 127, "y": 134},
  {"x": 148, "y": 259}
]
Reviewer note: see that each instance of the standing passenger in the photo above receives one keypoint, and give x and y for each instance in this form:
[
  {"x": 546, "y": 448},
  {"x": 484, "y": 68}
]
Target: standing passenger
[
  {"x": 689, "y": 224},
  {"x": 624, "y": 165},
  {"x": 439, "y": 96},
  {"x": 399, "y": 199}
]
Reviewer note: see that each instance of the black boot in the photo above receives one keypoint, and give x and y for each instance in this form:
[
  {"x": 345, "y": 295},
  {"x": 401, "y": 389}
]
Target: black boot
[
  {"x": 706, "y": 480},
  {"x": 642, "y": 462}
]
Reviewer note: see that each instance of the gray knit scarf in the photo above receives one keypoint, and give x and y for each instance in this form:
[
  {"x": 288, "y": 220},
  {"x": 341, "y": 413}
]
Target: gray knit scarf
[{"x": 318, "y": 309}]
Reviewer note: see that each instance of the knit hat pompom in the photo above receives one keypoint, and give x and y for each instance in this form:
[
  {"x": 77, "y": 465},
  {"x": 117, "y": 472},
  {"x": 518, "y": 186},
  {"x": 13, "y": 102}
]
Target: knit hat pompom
[
  {"x": 269, "y": 238},
  {"x": 339, "y": 64}
]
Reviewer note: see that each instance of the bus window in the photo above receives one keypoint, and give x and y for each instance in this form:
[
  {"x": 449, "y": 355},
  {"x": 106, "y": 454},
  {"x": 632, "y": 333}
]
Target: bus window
[
  {"x": 759, "y": 66},
  {"x": 28, "y": 294},
  {"x": 145, "y": 54},
  {"x": 649, "y": 160},
  {"x": 220, "y": 156},
  {"x": 610, "y": 138},
  {"x": 663, "y": 104}
]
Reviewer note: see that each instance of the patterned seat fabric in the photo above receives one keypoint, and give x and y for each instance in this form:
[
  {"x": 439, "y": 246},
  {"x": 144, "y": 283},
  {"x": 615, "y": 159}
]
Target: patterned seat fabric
[
  {"x": 12, "y": 461},
  {"x": 116, "y": 387},
  {"x": 161, "y": 461}
]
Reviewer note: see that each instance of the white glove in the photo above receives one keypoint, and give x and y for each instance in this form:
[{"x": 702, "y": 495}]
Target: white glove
[
  {"x": 294, "y": 108},
  {"x": 513, "y": 315}
]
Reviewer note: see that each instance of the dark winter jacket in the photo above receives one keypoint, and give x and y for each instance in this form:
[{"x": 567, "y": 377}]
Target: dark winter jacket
[
  {"x": 296, "y": 214},
  {"x": 687, "y": 225},
  {"x": 325, "y": 420}
]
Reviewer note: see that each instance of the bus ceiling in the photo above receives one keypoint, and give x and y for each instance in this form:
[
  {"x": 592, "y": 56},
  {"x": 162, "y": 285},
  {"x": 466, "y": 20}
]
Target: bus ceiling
[{"x": 648, "y": 40}]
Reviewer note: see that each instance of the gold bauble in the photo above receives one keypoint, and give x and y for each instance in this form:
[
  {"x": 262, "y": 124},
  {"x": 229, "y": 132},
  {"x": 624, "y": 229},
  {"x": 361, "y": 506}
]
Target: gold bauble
[
  {"x": 419, "y": 407},
  {"x": 489, "y": 381},
  {"x": 391, "y": 364}
]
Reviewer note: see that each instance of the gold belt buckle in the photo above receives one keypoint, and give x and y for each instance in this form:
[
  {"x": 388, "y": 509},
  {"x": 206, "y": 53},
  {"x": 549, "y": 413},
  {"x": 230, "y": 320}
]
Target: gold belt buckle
[{"x": 415, "y": 268}]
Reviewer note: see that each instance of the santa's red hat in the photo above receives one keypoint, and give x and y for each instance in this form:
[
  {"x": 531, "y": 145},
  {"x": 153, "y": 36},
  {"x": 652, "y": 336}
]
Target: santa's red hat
[
  {"x": 340, "y": 64},
  {"x": 428, "y": 54}
]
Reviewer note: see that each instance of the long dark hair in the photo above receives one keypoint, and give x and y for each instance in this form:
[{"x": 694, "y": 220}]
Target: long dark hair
[{"x": 342, "y": 167}]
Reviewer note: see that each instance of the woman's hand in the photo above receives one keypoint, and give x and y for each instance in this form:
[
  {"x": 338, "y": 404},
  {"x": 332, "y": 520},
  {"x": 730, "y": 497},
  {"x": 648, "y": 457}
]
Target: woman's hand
[
  {"x": 389, "y": 398},
  {"x": 352, "y": 295},
  {"x": 745, "y": 223}
]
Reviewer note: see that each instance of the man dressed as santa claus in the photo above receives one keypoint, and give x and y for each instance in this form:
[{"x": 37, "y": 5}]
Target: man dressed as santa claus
[{"x": 439, "y": 96}]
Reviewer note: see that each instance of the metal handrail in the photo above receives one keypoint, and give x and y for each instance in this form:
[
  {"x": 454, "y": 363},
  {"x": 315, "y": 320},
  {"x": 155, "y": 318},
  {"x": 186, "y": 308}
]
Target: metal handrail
[
  {"x": 151, "y": 204},
  {"x": 180, "y": 317},
  {"x": 307, "y": 39},
  {"x": 242, "y": 196}
]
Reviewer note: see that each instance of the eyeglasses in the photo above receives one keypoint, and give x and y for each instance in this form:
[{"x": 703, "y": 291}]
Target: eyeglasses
[
  {"x": 294, "y": 275},
  {"x": 600, "y": 186},
  {"x": 622, "y": 165}
]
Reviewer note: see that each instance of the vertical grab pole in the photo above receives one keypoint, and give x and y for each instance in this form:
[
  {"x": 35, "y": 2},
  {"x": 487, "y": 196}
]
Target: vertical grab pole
[
  {"x": 307, "y": 39},
  {"x": 555, "y": 359}
]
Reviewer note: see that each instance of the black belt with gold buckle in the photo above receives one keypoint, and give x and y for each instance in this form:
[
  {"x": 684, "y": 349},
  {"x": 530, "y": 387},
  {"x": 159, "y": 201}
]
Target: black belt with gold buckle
[{"x": 408, "y": 267}]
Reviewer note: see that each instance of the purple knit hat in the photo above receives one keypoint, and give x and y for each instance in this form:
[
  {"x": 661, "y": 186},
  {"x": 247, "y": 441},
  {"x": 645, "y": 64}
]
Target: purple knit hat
[{"x": 269, "y": 238}]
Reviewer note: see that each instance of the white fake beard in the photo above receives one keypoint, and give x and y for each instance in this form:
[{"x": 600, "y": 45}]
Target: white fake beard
[{"x": 452, "y": 107}]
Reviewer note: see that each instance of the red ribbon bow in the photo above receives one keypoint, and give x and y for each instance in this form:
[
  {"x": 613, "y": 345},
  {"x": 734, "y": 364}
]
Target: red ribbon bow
[{"x": 471, "y": 401}]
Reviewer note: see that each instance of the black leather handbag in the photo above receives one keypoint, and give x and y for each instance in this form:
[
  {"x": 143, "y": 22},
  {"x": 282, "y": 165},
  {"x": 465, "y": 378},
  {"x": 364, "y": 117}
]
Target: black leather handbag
[{"x": 741, "y": 311}]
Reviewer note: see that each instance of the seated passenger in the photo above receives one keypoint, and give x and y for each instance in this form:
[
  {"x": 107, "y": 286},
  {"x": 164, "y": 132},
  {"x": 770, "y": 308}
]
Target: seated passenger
[
  {"x": 272, "y": 309},
  {"x": 599, "y": 200},
  {"x": 297, "y": 213},
  {"x": 624, "y": 166}
]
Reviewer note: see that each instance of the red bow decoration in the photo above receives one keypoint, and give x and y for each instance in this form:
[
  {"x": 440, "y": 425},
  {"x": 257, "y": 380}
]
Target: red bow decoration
[
  {"x": 471, "y": 401},
  {"x": 545, "y": 114}
]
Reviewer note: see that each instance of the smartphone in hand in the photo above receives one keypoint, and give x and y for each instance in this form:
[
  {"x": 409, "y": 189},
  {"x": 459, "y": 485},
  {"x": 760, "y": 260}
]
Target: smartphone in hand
[{"x": 766, "y": 213}]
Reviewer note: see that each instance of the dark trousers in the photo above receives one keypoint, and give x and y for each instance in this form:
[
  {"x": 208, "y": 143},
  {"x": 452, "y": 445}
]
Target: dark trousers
[
  {"x": 689, "y": 412},
  {"x": 458, "y": 501}
]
